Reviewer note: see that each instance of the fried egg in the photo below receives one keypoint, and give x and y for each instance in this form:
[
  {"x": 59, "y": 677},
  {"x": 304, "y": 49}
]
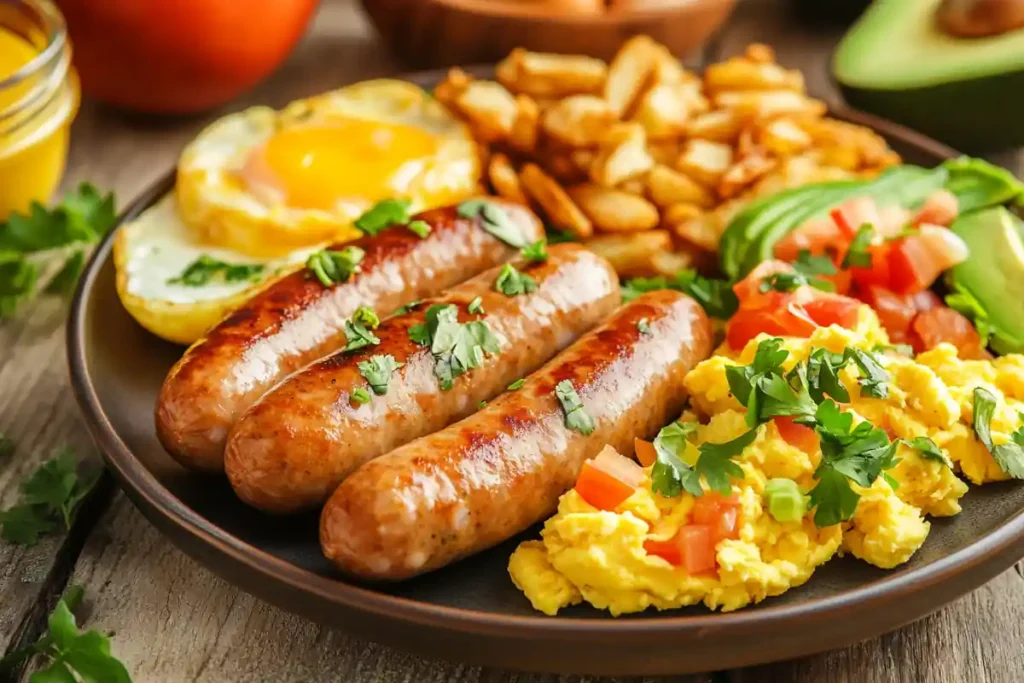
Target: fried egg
[{"x": 264, "y": 182}]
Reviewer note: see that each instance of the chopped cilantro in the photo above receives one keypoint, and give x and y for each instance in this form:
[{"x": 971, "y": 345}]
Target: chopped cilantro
[
  {"x": 476, "y": 306},
  {"x": 457, "y": 347},
  {"x": 494, "y": 220},
  {"x": 360, "y": 396},
  {"x": 537, "y": 251},
  {"x": 511, "y": 282},
  {"x": 411, "y": 306},
  {"x": 384, "y": 214},
  {"x": 576, "y": 417},
  {"x": 335, "y": 266},
  {"x": 357, "y": 330},
  {"x": 207, "y": 269},
  {"x": 929, "y": 450},
  {"x": 560, "y": 236},
  {"x": 823, "y": 368},
  {"x": 377, "y": 371},
  {"x": 518, "y": 384},
  {"x": 481, "y": 405},
  {"x": 420, "y": 228},
  {"x": 715, "y": 462},
  {"x": 715, "y": 296},
  {"x": 1010, "y": 455},
  {"x": 788, "y": 282},
  {"x": 670, "y": 474},
  {"x": 810, "y": 265},
  {"x": 765, "y": 390},
  {"x": 874, "y": 378},
  {"x": 859, "y": 254}
]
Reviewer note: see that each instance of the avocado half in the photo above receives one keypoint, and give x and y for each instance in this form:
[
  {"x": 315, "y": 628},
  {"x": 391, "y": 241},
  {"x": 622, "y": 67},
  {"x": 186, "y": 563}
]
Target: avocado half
[{"x": 967, "y": 92}]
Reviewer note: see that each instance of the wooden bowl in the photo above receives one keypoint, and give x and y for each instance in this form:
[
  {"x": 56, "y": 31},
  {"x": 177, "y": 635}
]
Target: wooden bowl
[{"x": 426, "y": 33}]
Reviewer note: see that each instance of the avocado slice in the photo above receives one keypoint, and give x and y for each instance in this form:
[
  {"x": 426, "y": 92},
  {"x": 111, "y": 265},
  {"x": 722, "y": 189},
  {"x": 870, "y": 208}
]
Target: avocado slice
[
  {"x": 897, "y": 62},
  {"x": 989, "y": 286}
]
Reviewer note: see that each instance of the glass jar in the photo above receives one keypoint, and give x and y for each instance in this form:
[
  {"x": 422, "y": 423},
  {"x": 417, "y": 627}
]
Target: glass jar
[{"x": 38, "y": 100}]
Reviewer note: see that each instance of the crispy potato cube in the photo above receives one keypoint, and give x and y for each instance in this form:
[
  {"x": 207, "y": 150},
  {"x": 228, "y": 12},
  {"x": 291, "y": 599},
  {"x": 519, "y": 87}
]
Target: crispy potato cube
[
  {"x": 664, "y": 109},
  {"x": 633, "y": 185},
  {"x": 614, "y": 210},
  {"x": 678, "y": 213},
  {"x": 622, "y": 155},
  {"x": 583, "y": 158},
  {"x": 721, "y": 125},
  {"x": 562, "y": 167},
  {"x": 490, "y": 108},
  {"x": 664, "y": 151},
  {"x": 523, "y": 136},
  {"x": 668, "y": 263},
  {"x": 504, "y": 178},
  {"x": 705, "y": 161},
  {"x": 551, "y": 75},
  {"x": 784, "y": 138},
  {"x": 632, "y": 254},
  {"x": 668, "y": 69},
  {"x": 553, "y": 200},
  {"x": 749, "y": 169},
  {"x": 448, "y": 90},
  {"x": 667, "y": 187},
  {"x": 759, "y": 53},
  {"x": 579, "y": 121},
  {"x": 701, "y": 231},
  {"x": 738, "y": 73},
  {"x": 760, "y": 104},
  {"x": 628, "y": 73}
]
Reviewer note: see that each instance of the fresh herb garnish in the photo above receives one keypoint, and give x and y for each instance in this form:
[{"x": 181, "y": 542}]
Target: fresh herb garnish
[
  {"x": 70, "y": 654},
  {"x": 560, "y": 236},
  {"x": 538, "y": 251},
  {"x": 420, "y": 228},
  {"x": 44, "y": 251},
  {"x": 50, "y": 494},
  {"x": 670, "y": 474},
  {"x": 411, "y": 306},
  {"x": 517, "y": 385},
  {"x": 715, "y": 296},
  {"x": 494, "y": 220},
  {"x": 859, "y": 254},
  {"x": 643, "y": 325},
  {"x": 576, "y": 417},
  {"x": 384, "y": 214},
  {"x": 1010, "y": 455},
  {"x": 334, "y": 266},
  {"x": 763, "y": 388},
  {"x": 929, "y": 450},
  {"x": 207, "y": 269},
  {"x": 377, "y": 372},
  {"x": 357, "y": 330},
  {"x": 874, "y": 378},
  {"x": 715, "y": 462},
  {"x": 360, "y": 396},
  {"x": 481, "y": 405},
  {"x": 476, "y": 306},
  {"x": 457, "y": 347},
  {"x": 788, "y": 282},
  {"x": 810, "y": 265},
  {"x": 511, "y": 282}
]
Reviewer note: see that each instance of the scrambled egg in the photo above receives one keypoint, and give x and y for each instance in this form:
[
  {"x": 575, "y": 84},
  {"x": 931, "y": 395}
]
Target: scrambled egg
[{"x": 598, "y": 556}]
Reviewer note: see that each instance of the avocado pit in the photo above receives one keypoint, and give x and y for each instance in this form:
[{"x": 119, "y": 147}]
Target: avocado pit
[{"x": 980, "y": 18}]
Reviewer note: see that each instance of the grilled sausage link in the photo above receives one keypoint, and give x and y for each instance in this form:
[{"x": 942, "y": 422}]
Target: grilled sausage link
[
  {"x": 293, "y": 447},
  {"x": 297, "y": 320},
  {"x": 482, "y": 480}
]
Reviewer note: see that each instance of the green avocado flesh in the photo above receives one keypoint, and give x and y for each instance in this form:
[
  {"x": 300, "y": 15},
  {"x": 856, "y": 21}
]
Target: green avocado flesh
[
  {"x": 994, "y": 273},
  {"x": 897, "y": 62}
]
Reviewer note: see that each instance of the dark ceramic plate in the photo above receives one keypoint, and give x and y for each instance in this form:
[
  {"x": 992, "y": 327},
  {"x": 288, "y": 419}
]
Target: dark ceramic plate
[{"x": 471, "y": 611}]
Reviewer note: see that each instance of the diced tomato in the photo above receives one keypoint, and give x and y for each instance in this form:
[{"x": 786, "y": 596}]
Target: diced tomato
[
  {"x": 878, "y": 273},
  {"x": 926, "y": 300},
  {"x": 645, "y": 453},
  {"x": 609, "y": 479},
  {"x": 747, "y": 324},
  {"x": 833, "y": 309},
  {"x": 748, "y": 290},
  {"x": 943, "y": 324},
  {"x": 667, "y": 550},
  {"x": 853, "y": 213},
  {"x": 941, "y": 208},
  {"x": 719, "y": 513},
  {"x": 895, "y": 311},
  {"x": 841, "y": 281},
  {"x": 818, "y": 236},
  {"x": 798, "y": 435},
  {"x": 697, "y": 549},
  {"x": 912, "y": 265}
]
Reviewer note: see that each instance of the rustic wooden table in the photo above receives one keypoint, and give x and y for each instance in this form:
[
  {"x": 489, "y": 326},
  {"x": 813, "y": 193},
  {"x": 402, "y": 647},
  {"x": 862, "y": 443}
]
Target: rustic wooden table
[{"x": 174, "y": 621}]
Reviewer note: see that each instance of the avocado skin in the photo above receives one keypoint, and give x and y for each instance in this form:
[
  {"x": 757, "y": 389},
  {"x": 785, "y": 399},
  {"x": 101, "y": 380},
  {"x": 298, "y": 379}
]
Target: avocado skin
[{"x": 976, "y": 115}]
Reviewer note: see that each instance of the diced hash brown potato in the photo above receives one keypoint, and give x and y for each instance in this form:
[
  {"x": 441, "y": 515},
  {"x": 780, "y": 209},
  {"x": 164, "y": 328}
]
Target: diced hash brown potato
[
  {"x": 490, "y": 108},
  {"x": 579, "y": 120},
  {"x": 628, "y": 73},
  {"x": 650, "y": 152},
  {"x": 632, "y": 254},
  {"x": 551, "y": 75},
  {"x": 705, "y": 161},
  {"x": 614, "y": 210},
  {"x": 554, "y": 202}
]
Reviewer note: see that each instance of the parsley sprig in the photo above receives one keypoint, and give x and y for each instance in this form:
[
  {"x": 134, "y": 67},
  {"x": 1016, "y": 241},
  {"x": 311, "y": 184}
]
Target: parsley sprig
[
  {"x": 859, "y": 254},
  {"x": 494, "y": 220},
  {"x": 538, "y": 251},
  {"x": 357, "y": 330},
  {"x": 715, "y": 462},
  {"x": 332, "y": 266},
  {"x": 715, "y": 296},
  {"x": 377, "y": 371},
  {"x": 1010, "y": 455},
  {"x": 576, "y": 416},
  {"x": 383, "y": 215},
  {"x": 511, "y": 282},
  {"x": 207, "y": 269},
  {"x": 928, "y": 449},
  {"x": 70, "y": 654},
  {"x": 457, "y": 347}
]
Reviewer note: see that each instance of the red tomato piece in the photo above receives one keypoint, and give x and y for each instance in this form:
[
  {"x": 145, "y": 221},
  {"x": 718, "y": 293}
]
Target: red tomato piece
[
  {"x": 718, "y": 512},
  {"x": 943, "y": 324},
  {"x": 912, "y": 266},
  {"x": 833, "y": 309},
  {"x": 895, "y": 311},
  {"x": 818, "y": 236},
  {"x": 697, "y": 549},
  {"x": 798, "y": 435},
  {"x": 747, "y": 324},
  {"x": 609, "y": 479},
  {"x": 841, "y": 281},
  {"x": 667, "y": 550},
  {"x": 878, "y": 273},
  {"x": 748, "y": 290}
]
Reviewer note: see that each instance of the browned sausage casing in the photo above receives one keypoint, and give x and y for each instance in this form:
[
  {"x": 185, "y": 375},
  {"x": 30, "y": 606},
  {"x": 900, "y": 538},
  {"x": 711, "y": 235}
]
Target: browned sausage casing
[
  {"x": 484, "y": 479},
  {"x": 297, "y": 320},
  {"x": 293, "y": 447}
]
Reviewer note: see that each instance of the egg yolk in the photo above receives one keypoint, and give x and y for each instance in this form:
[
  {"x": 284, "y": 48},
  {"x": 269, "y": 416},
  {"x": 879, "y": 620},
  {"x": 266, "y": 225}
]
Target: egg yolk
[{"x": 317, "y": 165}]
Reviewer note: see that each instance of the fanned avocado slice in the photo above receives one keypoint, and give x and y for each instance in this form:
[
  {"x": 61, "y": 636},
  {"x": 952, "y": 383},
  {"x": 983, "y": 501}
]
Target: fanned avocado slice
[{"x": 897, "y": 61}]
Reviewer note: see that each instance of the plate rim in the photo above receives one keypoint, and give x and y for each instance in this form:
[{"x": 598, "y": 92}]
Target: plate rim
[{"x": 161, "y": 507}]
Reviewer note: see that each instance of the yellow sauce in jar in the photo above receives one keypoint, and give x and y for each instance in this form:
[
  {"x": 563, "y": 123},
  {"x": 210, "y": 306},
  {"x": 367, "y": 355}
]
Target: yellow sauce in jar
[{"x": 34, "y": 127}]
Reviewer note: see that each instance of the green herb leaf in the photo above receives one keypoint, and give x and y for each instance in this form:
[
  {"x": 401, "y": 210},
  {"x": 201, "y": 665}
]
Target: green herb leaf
[
  {"x": 481, "y": 405},
  {"x": 538, "y": 251},
  {"x": 420, "y": 228},
  {"x": 823, "y": 368},
  {"x": 670, "y": 474},
  {"x": 511, "y": 282},
  {"x": 1009, "y": 456},
  {"x": 457, "y": 347},
  {"x": 411, "y": 306},
  {"x": 874, "y": 378},
  {"x": 899, "y": 349},
  {"x": 715, "y": 462},
  {"x": 335, "y": 266},
  {"x": 377, "y": 371},
  {"x": 788, "y": 282},
  {"x": 207, "y": 269},
  {"x": 859, "y": 254},
  {"x": 929, "y": 450},
  {"x": 715, "y": 296},
  {"x": 518, "y": 384},
  {"x": 384, "y": 214},
  {"x": 420, "y": 334},
  {"x": 576, "y": 417},
  {"x": 810, "y": 265},
  {"x": 832, "y": 497},
  {"x": 560, "y": 236},
  {"x": 494, "y": 220},
  {"x": 360, "y": 396},
  {"x": 357, "y": 330},
  {"x": 643, "y": 326},
  {"x": 476, "y": 306}
]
